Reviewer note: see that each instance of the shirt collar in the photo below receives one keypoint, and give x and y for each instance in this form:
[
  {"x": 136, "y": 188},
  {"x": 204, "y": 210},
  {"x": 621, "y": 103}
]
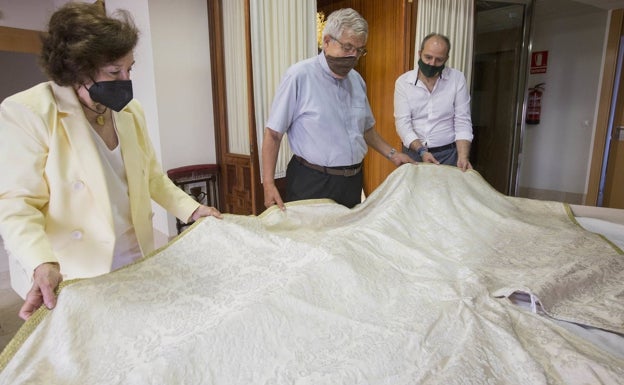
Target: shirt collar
[{"x": 323, "y": 61}]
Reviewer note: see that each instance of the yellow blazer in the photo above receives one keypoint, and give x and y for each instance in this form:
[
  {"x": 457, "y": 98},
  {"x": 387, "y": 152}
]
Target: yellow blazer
[{"x": 54, "y": 202}]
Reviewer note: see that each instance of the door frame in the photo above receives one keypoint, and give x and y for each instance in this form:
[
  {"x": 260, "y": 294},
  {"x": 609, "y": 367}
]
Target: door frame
[
  {"x": 521, "y": 98},
  {"x": 615, "y": 31}
]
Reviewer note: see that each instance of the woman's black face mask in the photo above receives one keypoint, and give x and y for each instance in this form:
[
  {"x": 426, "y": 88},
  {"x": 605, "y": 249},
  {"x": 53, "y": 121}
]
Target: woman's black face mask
[{"x": 114, "y": 94}]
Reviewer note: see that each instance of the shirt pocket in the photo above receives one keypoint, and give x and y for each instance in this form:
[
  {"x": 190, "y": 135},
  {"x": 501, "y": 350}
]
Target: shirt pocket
[{"x": 359, "y": 109}]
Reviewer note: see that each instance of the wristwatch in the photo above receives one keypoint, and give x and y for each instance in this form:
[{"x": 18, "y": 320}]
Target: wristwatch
[
  {"x": 391, "y": 153},
  {"x": 421, "y": 150}
]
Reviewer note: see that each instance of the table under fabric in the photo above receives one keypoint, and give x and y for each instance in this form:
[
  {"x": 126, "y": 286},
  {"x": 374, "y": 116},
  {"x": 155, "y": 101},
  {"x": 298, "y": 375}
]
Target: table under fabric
[{"x": 410, "y": 287}]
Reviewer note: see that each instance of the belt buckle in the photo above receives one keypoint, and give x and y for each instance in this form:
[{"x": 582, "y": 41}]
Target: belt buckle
[{"x": 349, "y": 172}]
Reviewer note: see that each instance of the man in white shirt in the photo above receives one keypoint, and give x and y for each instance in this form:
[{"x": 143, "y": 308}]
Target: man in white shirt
[{"x": 432, "y": 108}]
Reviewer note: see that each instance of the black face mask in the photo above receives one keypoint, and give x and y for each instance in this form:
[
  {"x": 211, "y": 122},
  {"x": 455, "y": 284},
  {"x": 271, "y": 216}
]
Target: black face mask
[
  {"x": 429, "y": 70},
  {"x": 114, "y": 94}
]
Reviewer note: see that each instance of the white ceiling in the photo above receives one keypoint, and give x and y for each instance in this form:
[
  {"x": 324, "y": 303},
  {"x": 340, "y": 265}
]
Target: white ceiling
[
  {"x": 561, "y": 8},
  {"x": 510, "y": 15},
  {"x": 604, "y": 4},
  {"x": 574, "y": 7}
]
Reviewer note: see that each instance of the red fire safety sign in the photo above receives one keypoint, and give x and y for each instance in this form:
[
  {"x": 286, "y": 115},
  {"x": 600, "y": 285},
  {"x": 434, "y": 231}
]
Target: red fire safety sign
[{"x": 539, "y": 62}]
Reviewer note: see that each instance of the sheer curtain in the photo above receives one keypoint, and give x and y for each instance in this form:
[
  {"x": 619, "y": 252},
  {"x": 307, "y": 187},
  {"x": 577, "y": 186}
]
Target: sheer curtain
[
  {"x": 236, "y": 76},
  {"x": 283, "y": 32},
  {"x": 454, "y": 19}
]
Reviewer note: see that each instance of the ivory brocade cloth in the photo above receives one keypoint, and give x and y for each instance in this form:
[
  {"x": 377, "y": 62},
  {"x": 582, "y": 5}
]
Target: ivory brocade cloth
[{"x": 409, "y": 287}]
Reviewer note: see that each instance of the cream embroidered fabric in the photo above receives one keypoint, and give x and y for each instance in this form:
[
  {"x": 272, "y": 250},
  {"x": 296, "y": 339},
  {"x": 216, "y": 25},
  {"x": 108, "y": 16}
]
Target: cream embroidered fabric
[{"x": 407, "y": 288}]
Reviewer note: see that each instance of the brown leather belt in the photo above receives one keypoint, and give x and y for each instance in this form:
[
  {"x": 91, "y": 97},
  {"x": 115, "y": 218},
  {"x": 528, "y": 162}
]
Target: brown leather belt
[{"x": 338, "y": 171}]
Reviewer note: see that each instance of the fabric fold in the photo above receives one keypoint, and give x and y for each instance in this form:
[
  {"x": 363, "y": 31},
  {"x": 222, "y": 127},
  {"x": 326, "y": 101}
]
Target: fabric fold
[{"x": 405, "y": 288}]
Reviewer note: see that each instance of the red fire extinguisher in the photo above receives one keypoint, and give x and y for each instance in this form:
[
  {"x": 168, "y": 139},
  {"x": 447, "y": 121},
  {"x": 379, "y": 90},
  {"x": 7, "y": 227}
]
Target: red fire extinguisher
[{"x": 534, "y": 104}]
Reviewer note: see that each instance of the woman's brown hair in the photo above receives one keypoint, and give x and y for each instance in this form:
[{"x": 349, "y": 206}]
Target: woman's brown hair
[{"x": 81, "y": 38}]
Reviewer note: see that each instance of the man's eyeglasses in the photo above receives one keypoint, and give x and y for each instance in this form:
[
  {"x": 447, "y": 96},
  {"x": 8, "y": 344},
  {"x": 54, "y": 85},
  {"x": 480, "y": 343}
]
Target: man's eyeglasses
[{"x": 349, "y": 48}]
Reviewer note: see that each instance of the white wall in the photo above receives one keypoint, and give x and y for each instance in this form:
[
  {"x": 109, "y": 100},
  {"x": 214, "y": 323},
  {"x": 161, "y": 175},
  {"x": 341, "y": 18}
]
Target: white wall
[
  {"x": 181, "y": 48},
  {"x": 24, "y": 72},
  {"x": 183, "y": 81},
  {"x": 171, "y": 77},
  {"x": 25, "y": 14},
  {"x": 556, "y": 151}
]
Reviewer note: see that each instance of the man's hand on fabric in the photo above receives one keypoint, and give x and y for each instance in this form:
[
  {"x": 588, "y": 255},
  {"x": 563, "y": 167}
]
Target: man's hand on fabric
[
  {"x": 400, "y": 158},
  {"x": 428, "y": 157},
  {"x": 272, "y": 196},
  {"x": 464, "y": 164}
]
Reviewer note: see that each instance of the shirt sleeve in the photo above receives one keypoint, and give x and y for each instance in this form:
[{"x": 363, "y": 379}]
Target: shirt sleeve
[
  {"x": 284, "y": 104},
  {"x": 402, "y": 112},
  {"x": 462, "y": 119},
  {"x": 23, "y": 191}
]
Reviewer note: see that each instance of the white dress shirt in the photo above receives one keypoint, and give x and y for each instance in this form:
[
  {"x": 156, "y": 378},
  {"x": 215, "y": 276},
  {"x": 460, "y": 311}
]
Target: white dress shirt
[{"x": 436, "y": 118}]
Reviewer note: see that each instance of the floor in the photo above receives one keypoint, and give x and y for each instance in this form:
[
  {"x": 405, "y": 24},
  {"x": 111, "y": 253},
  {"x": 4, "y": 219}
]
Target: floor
[{"x": 10, "y": 303}]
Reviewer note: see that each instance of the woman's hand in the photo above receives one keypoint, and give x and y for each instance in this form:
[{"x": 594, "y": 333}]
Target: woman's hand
[
  {"x": 47, "y": 277},
  {"x": 205, "y": 211}
]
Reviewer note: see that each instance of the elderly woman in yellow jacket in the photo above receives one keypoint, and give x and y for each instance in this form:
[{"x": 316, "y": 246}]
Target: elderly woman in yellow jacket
[{"x": 78, "y": 169}]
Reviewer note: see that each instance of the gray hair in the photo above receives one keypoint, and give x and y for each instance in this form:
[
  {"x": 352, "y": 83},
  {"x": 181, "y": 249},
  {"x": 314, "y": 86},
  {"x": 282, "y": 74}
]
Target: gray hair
[{"x": 345, "y": 19}]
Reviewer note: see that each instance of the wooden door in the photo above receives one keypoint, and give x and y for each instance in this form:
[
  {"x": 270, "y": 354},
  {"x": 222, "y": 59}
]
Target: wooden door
[
  {"x": 614, "y": 176},
  {"x": 613, "y": 179},
  {"x": 391, "y": 33},
  {"x": 606, "y": 174},
  {"x": 391, "y": 53},
  {"x": 240, "y": 189}
]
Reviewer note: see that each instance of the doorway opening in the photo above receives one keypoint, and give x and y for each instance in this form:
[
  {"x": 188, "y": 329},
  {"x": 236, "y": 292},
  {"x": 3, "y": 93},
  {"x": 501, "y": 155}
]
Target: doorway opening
[{"x": 498, "y": 88}]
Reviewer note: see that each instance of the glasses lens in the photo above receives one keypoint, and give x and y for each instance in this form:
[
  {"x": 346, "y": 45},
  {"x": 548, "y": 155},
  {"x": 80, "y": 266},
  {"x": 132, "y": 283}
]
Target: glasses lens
[{"x": 348, "y": 48}]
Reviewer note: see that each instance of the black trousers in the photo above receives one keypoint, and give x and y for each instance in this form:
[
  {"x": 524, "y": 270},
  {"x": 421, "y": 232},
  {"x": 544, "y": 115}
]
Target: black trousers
[{"x": 304, "y": 183}]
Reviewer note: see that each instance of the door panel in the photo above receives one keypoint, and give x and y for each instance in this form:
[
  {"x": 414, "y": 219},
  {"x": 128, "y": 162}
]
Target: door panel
[
  {"x": 604, "y": 186},
  {"x": 391, "y": 52},
  {"x": 238, "y": 177},
  {"x": 240, "y": 190},
  {"x": 493, "y": 121},
  {"x": 497, "y": 90}
]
